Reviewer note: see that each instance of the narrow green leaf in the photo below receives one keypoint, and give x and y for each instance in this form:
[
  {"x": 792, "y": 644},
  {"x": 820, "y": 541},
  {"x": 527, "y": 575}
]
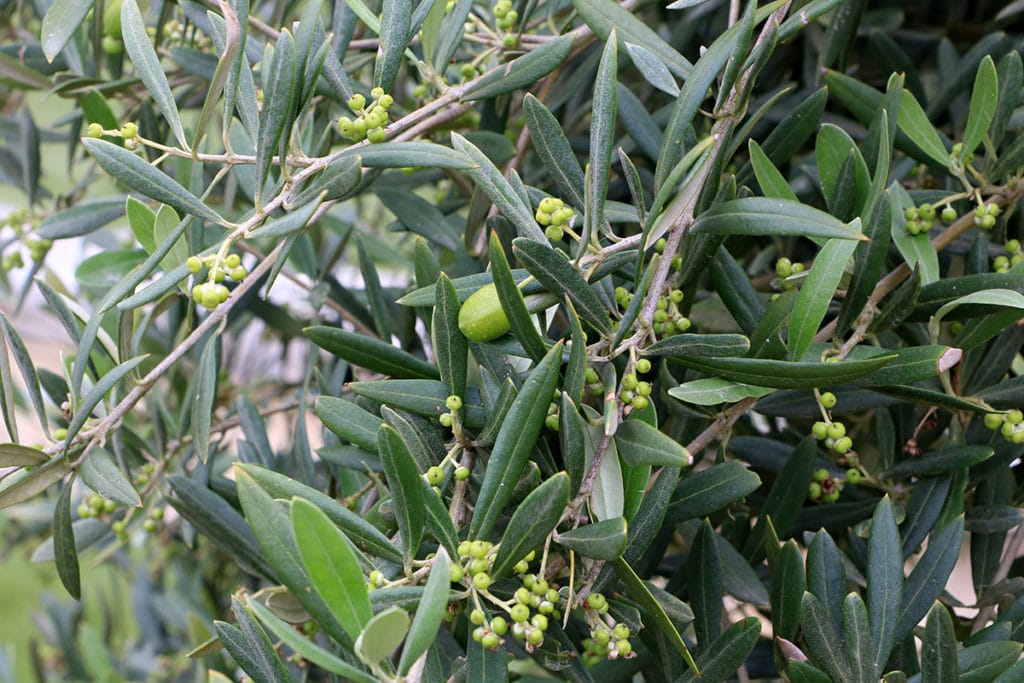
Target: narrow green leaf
[
  {"x": 422, "y": 397},
  {"x": 641, "y": 444},
  {"x": 250, "y": 647},
  {"x": 134, "y": 172},
  {"x": 273, "y": 531},
  {"x": 652, "y": 69},
  {"x": 85, "y": 407},
  {"x": 834, "y": 149},
  {"x": 83, "y": 218},
  {"x": 858, "y": 640},
  {"x": 421, "y": 217},
  {"x": 450, "y": 346},
  {"x": 296, "y": 220},
  {"x": 553, "y": 147},
  {"x": 914, "y": 122},
  {"x": 604, "y": 540},
  {"x": 571, "y": 441},
  {"x": 304, "y": 646},
  {"x": 202, "y": 404},
  {"x": 984, "y": 99},
  {"x": 604, "y": 16},
  {"x": 431, "y": 610},
  {"x": 929, "y": 576},
  {"x": 487, "y": 176},
  {"x": 372, "y": 354},
  {"x": 348, "y": 421},
  {"x": 986, "y": 661},
  {"x": 60, "y": 23},
  {"x": 14, "y": 455},
  {"x": 705, "y": 585},
  {"x": 364, "y": 535},
  {"x": 521, "y": 72},
  {"x": 395, "y": 22},
  {"x": 788, "y": 584},
  {"x": 100, "y": 473},
  {"x": 712, "y": 391},
  {"x": 531, "y": 523},
  {"x": 438, "y": 520},
  {"x": 699, "y": 345},
  {"x": 332, "y": 566},
  {"x": 515, "y": 442},
  {"x": 939, "y": 646},
  {"x": 147, "y": 66},
  {"x": 602, "y": 140},
  {"x": 637, "y": 590},
  {"x": 410, "y": 153},
  {"x": 785, "y": 500},
  {"x": 276, "y": 117},
  {"x": 64, "y": 552},
  {"x": 786, "y": 374},
  {"x": 728, "y": 653},
  {"x": 511, "y": 301},
  {"x": 219, "y": 521},
  {"x": 382, "y": 635},
  {"x": 938, "y": 462},
  {"x": 556, "y": 273},
  {"x": 27, "y": 369},
  {"x": 25, "y": 484},
  {"x": 885, "y": 581},
  {"x": 823, "y": 648},
  {"x": 769, "y": 177},
  {"x": 403, "y": 482},
  {"x": 775, "y": 217},
  {"x": 816, "y": 293},
  {"x": 707, "y": 491}
]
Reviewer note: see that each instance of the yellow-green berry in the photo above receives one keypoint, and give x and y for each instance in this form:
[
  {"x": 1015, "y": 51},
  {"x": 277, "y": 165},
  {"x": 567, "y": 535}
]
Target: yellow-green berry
[
  {"x": 499, "y": 625},
  {"x": 783, "y": 267},
  {"x": 853, "y": 475},
  {"x": 993, "y": 421},
  {"x": 519, "y": 613},
  {"x": 445, "y": 419},
  {"x": 461, "y": 473},
  {"x": 94, "y": 130},
  {"x": 356, "y": 102},
  {"x": 948, "y": 214},
  {"x": 453, "y": 402},
  {"x": 129, "y": 130},
  {"x": 836, "y": 430},
  {"x": 814, "y": 490},
  {"x": 435, "y": 475},
  {"x": 828, "y": 400},
  {"x": 194, "y": 264}
]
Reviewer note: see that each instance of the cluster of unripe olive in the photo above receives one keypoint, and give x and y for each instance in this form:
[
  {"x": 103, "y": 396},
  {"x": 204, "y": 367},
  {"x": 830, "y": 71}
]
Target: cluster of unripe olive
[
  {"x": 636, "y": 392},
  {"x": 1014, "y": 255},
  {"x": 832, "y": 432},
  {"x": 784, "y": 268},
  {"x": 667, "y": 319},
  {"x": 985, "y": 215},
  {"x": 370, "y": 120},
  {"x": 95, "y": 505},
  {"x": 824, "y": 488},
  {"x": 919, "y": 219},
  {"x": 608, "y": 639},
  {"x": 532, "y": 605},
  {"x": 505, "y": 14},
  {"x": 555, "y": 216},
  {"x": 213, "y": 293},
  {"x": 129, "y": 132},
  {"x": 1010, "y": 424}
]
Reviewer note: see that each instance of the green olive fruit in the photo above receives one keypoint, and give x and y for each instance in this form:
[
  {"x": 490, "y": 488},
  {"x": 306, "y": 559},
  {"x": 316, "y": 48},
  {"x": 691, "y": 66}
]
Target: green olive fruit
[
  {"x": 481, "y": 317},
  {"x": 112, "y": 19}
]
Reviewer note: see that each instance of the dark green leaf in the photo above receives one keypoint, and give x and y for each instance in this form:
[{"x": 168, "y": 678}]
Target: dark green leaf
[
  {"x": 372, "y": 354},
  {"x": 85, "y": 407},
  {"x": 641, "y": 444},
  {"x": 858, "y": 640},
  {"x": 786, "y": 498},
  {"x": 823, "y": 647},
  {"x": 147, "y": 66},
  {"x": 709, "y": 490},
  {"x": 816, "y": 294},
  {"x": 939, "y": 646},
  {"x": 100, "y": 473},
  {"x": 348, "y": 421},
  {"x": 403, "y": 482},
  {"x": 23, "y": 360},
  {"x": 602, "y": 141},
  {"x": 276, "y": 116},
  {"x": 604, "y": 540},
  {"x": 699, "y": 345},
  {"x": 604, "y": 16},
  {"x": 520, "y": 72},
  {"x": 984, "y": 98},
  {"x": 420, "y": 396},
  {"x": 937, "y": 462},
  {"x": 787, "y": 589},
  {"x": 82, "y": 218},
  {"x": 705, "y": 585},
  {"x": 551, "y": 145},
  {"x": 552, "y": 270},
  {"x": 134, "y": 172},
  {"x": 785, "y": 374},
  {"x": 885, "y": 581},
  {"x": 203, "y": 400},
  {"x": 412, "y": 153},
  {"x": 395, "y": 22},
  {"x": 531, "y": 523},
  {"x": 365, "y": 536},
  {"x": 64, "y": 552},
  {"x": 511, "y": 300},
  {"x": 432, "y": 608},
  {"x": 515, "y": 442},
  {"x": 929, "y": 576},
  {"x": 775, "y": 217},
  {"x": 728, "y": 652},
  {"x": 60, "y": 23},
  {"x": 332, "y": 566}
]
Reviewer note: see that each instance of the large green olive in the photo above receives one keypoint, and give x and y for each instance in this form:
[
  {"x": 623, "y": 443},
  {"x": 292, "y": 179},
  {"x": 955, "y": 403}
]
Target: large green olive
[{"x": 481, "y": 317}]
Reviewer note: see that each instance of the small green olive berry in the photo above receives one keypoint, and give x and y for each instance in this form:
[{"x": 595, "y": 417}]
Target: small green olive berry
[
  {"x": 948, "y": 214},
  {"x": 993, "y": 421},
  {"x": 820, "y": 430},
  {"x": 853, "y": 475},
  {"x": 499, "y": 625},
  {"x": 828, "y": 399},
  {"x": 519, "y": 613},
  {"x": 643, "y": 366},
  {"x": 461, "y": 473},
  {"x": 836, "y": 430},
  {"x": 640, "y": 403},
  {"x": 94, "y": 130},
  {"x": 356, "y": 102},
  {"x": 445, "y": 419},
  {"x": 481, "y": 317},
  {"x": 814, "y": 490},
  {"x": 129, "y": 130},
  {"x": 195, "y": 264}
]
